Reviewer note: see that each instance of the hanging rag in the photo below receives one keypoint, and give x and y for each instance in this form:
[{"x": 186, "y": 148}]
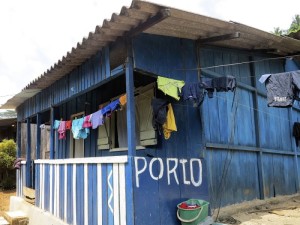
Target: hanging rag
[
  {"x": 56, "y": 124},
  {"x": 123, "y": 100},
  {"x": 77, "y": 129},
  {"x": 193, "y": 92},
  {"x": 296, "y": 132},
  {"x": 68, "y": 125},
  {"x": 169, "y": 86},
  {"x": 224, "y": 83},
  {"x": 97, "y": 119},
  {"x": 87, "y": 121},
  {"x": 282, "y": 88},
  {"x": 113, "y": 106},
  {"x": 170, "y": 124},
  {"x": 62, "y": 130},
  {"x": 159, "y": 107}
]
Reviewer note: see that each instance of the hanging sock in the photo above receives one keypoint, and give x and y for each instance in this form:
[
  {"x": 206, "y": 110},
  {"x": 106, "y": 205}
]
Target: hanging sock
[
  {"x": 169, "y": 86},
  {"x": 170, "y": 125}
]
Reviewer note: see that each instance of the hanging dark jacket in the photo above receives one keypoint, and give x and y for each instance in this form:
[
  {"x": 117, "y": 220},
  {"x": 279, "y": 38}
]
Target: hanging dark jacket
[{"x": 159, "y": 107}]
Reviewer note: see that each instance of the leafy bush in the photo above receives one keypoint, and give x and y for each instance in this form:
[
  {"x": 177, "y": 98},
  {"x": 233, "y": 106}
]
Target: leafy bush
[
  {"x": 7, "y": 153},
  {"x": 7, "y": 158}
]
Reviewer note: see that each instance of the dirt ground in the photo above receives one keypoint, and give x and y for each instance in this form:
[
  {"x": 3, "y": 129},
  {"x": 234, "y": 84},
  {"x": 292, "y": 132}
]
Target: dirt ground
[
  {"x": 281, "y": 210},
  {"x": 4, "y": 200}
]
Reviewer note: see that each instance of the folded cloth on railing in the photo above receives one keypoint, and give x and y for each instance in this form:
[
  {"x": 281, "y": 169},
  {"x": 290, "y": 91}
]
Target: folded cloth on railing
[{"x": 17, "y": 163}]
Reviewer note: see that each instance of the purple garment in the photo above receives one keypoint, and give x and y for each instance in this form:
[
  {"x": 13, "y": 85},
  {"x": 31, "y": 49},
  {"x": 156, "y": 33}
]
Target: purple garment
[{"x": 97, "y": 119}]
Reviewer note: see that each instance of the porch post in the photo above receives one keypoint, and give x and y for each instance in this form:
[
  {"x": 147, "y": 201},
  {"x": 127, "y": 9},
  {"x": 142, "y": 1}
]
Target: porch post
[
  {"x": 38, "y": 136},
  {"x": 19, "y": 152},
  {"x": 130, "y": 101},
  {"x": 52, "y": 135},
  {"x": 28, "y": 155}
]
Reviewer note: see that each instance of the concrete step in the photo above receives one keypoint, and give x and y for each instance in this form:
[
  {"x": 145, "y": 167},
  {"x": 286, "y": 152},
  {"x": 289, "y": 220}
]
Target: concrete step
[
  {"x": 16, "y": 217},
  {"x": 3, "y": 221}
]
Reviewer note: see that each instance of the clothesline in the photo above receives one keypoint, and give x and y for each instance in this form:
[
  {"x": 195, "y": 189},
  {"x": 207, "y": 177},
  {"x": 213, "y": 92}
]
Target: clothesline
[{"x": 240, "y": 63}]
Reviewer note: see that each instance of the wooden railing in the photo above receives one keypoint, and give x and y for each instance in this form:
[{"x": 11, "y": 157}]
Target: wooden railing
[{"x": 80, "y": 191}]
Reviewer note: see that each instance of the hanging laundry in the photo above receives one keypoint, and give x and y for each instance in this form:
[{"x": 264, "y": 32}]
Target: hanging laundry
[
  {"x": 159, "y": 107},
  {"x": 87, "y": 121},
  {"x": 77, "y": 129},
  {"x": 97, "y": 119},
  {"x": 169, "y": 86},
  {"x": 62, "y": 130},
  {"x": 113, "y": 106},
  {"x": 193, "y": 92},
  {"x": 282, "y": 88},
  {"x": 296, "y": 132},
  {"x": 68, "y": 125},
  {"x": 56, "y": 124},
  {"x": 123, "y": 100},
  {"x": 170, "y": 124},
  {"x": 225, "y": 83}
]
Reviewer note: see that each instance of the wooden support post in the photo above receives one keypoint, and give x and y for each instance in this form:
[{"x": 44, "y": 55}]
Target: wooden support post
[
  {"x": 130, "y": 101},
  {"x": 52, "y": 134},
  {"x": 28, "y": 155},
  {"x": 19, "y": 151},
  {"x": 38, "y": 136}
]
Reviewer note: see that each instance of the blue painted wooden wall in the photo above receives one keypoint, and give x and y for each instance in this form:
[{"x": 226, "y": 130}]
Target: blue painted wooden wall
[{"x": 238, "y": 141}]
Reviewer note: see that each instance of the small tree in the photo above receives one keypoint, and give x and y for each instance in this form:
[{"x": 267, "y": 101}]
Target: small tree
[
  {"x": 7, "y": 157},
  {"x": 295, "y": 25}
]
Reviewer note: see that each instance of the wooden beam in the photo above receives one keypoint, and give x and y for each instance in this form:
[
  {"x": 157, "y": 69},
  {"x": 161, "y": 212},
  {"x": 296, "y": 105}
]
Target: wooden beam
[
  {"x": 161, "y": 15},
  {"x": 220, "y": 38}
]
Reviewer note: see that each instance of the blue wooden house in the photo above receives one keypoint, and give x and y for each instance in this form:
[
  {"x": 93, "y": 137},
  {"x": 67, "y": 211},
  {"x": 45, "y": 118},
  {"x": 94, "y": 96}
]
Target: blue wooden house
[{"x": 229, "y": 149}]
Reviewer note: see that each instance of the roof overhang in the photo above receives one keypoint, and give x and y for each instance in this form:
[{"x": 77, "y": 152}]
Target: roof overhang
[{"x": 146, "y": 17}]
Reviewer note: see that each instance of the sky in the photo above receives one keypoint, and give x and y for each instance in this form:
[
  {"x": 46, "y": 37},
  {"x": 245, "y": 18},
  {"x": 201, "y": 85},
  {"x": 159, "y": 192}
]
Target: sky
[{"x": 35, "y": 34}]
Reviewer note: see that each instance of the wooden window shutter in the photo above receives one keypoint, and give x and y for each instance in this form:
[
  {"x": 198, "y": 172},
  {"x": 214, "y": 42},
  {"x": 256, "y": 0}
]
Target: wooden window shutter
[
  {"x": 103, "y": 141},
  {"x": 144, "y": 111}
]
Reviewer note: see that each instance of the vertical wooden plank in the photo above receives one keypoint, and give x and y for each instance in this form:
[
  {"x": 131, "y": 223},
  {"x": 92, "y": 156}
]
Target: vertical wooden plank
[
  {"x": 294, "y": 148},
  {"x": 70, "y": 194},
  {"x": 129, "y": 191},
  {"x": 110, "y": 195},
  {"x": 51, "y": 178},
  {"x": 86, "y": 197},
  {"x": 107, "y": 61},
  {"x": 116, "y": 194},
  {"x": 38, "y": 136},
  {"x": 65, "y": 190},
  {"x": 99, "y": 193},
  {"x": 28, "y": 156},
  {"x": 52, "y": 135},
  {"x": 130, "y": 109},
  {"x": 42, "y": 191},
  {"x": 74, "y": 195},
  {"x": 36, "y": 179},
  {"x": 122, "y": 194}
]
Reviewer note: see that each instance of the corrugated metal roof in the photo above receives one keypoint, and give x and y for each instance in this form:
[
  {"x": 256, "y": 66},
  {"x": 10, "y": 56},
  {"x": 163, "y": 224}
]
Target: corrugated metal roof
[{"x": 175, "y": 23}]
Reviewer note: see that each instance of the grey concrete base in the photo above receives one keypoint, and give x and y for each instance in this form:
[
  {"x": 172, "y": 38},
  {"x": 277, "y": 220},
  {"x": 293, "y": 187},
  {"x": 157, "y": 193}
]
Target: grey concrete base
[{"x": 36, "y": 216}]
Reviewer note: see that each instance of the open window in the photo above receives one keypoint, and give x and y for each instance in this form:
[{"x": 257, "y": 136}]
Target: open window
[{"x": 113, "y": 134}]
